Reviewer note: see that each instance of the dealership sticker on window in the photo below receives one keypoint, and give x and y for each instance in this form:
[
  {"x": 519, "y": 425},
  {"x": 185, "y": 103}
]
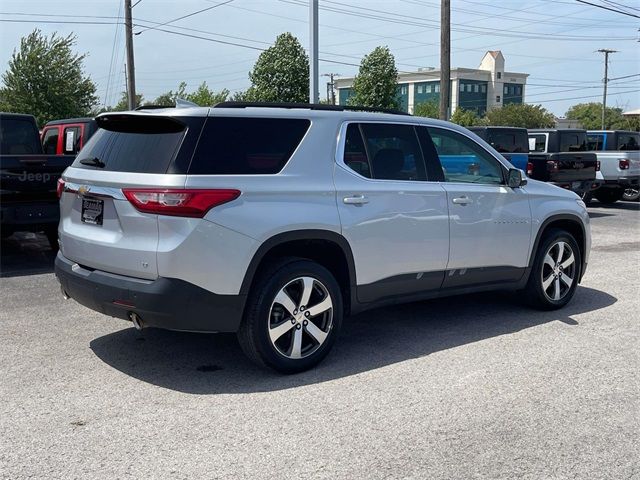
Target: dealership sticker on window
[
  {"x": 532, "y": 144},
  {"x": 68, "y": 146}
]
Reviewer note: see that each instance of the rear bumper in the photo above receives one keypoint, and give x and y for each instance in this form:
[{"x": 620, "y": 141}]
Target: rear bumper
[
  {"x": 29, "y": 217},
  {"x": 578, "y": 186},
  {"x": 633, "y": 181},
  {"x": 166, "y": 303}
]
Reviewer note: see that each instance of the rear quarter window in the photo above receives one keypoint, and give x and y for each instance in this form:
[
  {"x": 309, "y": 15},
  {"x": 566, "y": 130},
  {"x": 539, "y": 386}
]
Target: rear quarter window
[
  {"x": 628, "y": 141},
  {"x": 247, "y": 146}
]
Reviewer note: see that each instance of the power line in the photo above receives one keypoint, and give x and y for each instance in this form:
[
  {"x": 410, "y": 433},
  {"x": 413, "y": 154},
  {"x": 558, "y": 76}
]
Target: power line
[
  {"x": 580, "y": 98},
  {"x": 186, "y": 16},
  {"x": 610, "y": 9}
]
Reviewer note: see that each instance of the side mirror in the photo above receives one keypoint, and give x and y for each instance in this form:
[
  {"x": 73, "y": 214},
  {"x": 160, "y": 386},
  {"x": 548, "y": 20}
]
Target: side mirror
[{"x": 516, "y": 178}]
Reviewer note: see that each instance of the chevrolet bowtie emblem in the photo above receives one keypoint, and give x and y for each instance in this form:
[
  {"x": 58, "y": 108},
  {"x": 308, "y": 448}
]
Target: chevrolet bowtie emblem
[{"x": 83, "y": 189}]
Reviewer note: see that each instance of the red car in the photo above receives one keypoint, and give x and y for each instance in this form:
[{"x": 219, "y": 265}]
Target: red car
[{"x": 67, "y": 137}]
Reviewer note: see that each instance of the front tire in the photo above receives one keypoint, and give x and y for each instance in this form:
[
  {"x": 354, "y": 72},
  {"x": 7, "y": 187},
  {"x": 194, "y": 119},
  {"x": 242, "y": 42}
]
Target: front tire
[
  {"x": 293, "y": 315},
  {"x": 556, "y": 270}
]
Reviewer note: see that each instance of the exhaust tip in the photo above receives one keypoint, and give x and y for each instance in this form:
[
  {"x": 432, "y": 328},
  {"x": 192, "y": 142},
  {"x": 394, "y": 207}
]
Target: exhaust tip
[
  {"x": 136, "y": 320},
  {"x": 65, "y": 295}
]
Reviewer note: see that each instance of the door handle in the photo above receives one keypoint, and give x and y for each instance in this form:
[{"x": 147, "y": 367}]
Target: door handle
[
  {"x": 356, "y": 200},
  {"x": 462, "y": 200}
]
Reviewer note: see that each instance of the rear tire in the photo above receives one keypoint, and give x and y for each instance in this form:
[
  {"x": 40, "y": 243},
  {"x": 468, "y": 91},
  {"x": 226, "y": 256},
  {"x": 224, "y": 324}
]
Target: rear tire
[
  {"x": 608, "y": 195},
  {"x": 631, "y": 194},
  {"x": 556, "y": 270},
  {"x": 292, "y": 317}
]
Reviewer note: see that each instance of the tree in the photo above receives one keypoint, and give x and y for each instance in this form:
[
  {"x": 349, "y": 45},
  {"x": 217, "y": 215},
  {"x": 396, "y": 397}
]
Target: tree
[
  {"x": 590, "y": 116},
  {"x": 46, "y": 79},
  {"x": 465, "y": 118},
  {"x": 376, "y": 84},
  {"x": 205, "y": 97},
  {"x": 427, "y": 109},
  {"x": 281, "y": 73},
  {"x": 521, "y": 115}
]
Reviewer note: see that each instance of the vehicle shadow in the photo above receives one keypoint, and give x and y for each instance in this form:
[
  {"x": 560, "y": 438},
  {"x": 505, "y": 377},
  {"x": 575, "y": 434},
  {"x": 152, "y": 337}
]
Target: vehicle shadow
[
  {"x": 25, "y": 254},
  {"x": 214, "y": 364},
  {"x": 621, "y": 205}
]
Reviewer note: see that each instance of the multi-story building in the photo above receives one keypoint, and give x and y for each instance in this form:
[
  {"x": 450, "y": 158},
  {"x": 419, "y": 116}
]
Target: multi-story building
[{"x": 478, "y": 89}]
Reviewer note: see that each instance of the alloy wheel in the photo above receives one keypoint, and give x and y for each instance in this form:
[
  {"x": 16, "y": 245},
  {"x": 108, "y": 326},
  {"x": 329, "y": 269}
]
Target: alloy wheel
[
  {"x": 558, "y": 271},
  {"x": 300, "y": 317}
]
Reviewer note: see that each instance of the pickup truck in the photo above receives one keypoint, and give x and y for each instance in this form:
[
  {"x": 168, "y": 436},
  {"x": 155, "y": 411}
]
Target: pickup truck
[
  {"x": 28, "y": 179},
  {"x": 561, "y": 157},
  {"x": 619, "y": 154}
]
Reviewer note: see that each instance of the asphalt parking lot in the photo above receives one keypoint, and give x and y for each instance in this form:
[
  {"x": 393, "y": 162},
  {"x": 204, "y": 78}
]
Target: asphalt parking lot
[{"x": 472, "y": 387}]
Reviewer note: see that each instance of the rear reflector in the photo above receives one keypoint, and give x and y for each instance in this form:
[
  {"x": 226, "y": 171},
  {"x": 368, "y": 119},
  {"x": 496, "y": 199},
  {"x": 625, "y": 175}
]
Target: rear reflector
[
  {"x": 60, "y": 187},
  {"x": 177, "y": 201}
]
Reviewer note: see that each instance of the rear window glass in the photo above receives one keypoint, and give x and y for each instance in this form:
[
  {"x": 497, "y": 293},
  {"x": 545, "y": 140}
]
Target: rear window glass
[
  {"x": 19, "y": 137},
  {"x": 628, "y": 141},
  {"x": 247, "y": 146},
  {"x": 595, "y": 142},
  {"x": 573, "y": 142},
  {"x": 508, "y": 141},
  {"x": 136, "y": 145}
]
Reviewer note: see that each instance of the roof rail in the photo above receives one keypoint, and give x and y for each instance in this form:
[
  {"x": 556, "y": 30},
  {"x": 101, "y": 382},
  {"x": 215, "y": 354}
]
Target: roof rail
[{"x": 308, "y": 106}]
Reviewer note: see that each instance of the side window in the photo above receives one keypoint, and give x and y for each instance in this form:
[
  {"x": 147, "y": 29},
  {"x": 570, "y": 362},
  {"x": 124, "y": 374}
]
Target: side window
[
  {"x": 537, "y": 143},
  {"x": 595, "y": 142},
  {"x": 628, "y": 141},
  {"x": 71, "y": 140},
  {"x": 246, "y": 146},
  {"x": 50, "y": 141},
  {"x": 355, "y": 155},
  {"x": 393, "y": 151},
  {"x": 463, "y": 160}
]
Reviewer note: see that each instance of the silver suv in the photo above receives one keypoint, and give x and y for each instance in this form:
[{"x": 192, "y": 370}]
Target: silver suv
[{"x": 276, "y": 222}]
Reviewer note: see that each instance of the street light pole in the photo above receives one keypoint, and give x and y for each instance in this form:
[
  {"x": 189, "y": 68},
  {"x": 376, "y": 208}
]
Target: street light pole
[{"x": 314, "y": 93}]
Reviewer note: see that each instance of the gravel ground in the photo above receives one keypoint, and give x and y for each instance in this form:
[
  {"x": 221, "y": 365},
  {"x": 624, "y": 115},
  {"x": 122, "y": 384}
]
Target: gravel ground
[{"x": 472, "y": 387}]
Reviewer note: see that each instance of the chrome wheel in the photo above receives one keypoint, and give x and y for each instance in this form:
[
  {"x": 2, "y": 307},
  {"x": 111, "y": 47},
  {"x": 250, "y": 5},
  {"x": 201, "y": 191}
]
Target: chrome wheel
[
  {"x": 558, "y": 270},
  {"x": 631, "y": 194},
  {"x": 300, "y": 317}
]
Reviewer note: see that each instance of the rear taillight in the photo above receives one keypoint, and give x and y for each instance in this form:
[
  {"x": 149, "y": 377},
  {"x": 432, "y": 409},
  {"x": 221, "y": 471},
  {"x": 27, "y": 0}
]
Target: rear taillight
[
  {"x": 623, "y": 163},
  {"x": 177, "y": 201},
  {"x": 597, "y": 165},
  {"x": 60, "y": 187},
  {"x": 529, "y": 168},
  {"x": 552, "y": 166}
]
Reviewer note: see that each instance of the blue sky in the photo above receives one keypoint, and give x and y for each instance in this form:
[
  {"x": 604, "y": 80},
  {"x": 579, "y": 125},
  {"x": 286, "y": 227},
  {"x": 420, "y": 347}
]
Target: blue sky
[{"x": 555, "y": 41}]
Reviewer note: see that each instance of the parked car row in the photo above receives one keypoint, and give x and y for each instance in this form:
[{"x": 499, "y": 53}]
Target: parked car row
[{"x": 600, "y": 164}]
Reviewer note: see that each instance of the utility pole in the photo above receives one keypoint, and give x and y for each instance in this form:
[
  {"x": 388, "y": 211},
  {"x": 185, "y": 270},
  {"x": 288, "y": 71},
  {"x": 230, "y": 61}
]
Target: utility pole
[
  {"x": 606, "y": 52},
  {"x": 445, "y": 58},
  {"x": 331, "y": 87},
  {"x": 314, "y": 93},
  {"x": 131, "y": 76}
]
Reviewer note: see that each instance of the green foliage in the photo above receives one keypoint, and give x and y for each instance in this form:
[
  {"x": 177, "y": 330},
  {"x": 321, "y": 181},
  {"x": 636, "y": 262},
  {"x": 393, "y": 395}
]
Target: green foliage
[
  {"x": 521, "y": 115},
  {"x": 376, "y": 83},
  {"x": 46, "y": 79},
  {"x": 465, "y": 118},
  {"x": 203, "y": 96},
  {"x": 281, "y": 73},
  {"x": 427, "y": 109},
  {"x": 590, "y": 116}
]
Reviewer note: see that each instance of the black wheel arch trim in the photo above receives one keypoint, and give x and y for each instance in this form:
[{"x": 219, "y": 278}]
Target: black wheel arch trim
[
  {"x": 296, "y": 235},
  {"x": 554, "y": 218}
]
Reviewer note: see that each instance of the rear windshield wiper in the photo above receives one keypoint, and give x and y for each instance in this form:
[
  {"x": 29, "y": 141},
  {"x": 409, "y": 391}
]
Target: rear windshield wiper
[{"x": 94, "y": 162}]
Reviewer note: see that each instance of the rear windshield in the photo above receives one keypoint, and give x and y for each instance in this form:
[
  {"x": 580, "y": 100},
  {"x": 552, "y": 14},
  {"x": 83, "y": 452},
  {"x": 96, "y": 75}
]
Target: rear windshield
[
  {"x": 247, "y": 146},
  {"x": 595, "y": 142},
  {"x": 18, "y": 137},
  {"x": 132, "y": 144},
  {"x": 628, "y": 141},
  {"x": 508, "y": 141},
  {"x": 573, "y": 142},
  {"x": 538, "y": 143}
]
